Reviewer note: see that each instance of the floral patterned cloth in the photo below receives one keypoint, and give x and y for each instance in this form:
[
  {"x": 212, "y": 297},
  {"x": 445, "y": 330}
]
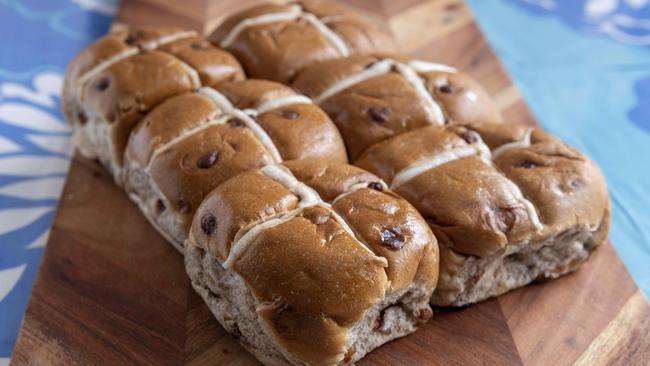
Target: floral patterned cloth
[{"x": 38, "y": 39}]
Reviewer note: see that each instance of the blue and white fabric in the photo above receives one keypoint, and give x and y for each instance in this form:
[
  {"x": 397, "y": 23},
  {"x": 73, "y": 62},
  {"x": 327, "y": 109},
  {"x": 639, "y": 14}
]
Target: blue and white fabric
[{"x": 38, "y": 39}]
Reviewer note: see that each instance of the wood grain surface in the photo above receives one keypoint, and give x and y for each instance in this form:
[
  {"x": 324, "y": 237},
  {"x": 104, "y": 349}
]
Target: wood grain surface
[{"x": 110, "y": 291}]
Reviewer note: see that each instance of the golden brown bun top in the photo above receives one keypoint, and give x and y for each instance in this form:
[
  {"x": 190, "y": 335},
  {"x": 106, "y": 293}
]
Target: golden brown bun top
[
  {"x": 274, "y": 41},
  {"x": 191, "y": 144},
  {"x": 482, "y": 187},
  {"x": 125, "y": 74},
  {"x": 375, "y": 97},
  {"x": 316, "y": 266}
]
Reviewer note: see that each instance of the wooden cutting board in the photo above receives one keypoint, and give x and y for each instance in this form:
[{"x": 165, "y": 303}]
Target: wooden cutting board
[{"x": 111, "y": 291}]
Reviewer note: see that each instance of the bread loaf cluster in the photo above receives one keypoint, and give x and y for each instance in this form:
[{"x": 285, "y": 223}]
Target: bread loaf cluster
[
  {"x": 307, "y": 260},
  {"x": 508, "y": 203}
]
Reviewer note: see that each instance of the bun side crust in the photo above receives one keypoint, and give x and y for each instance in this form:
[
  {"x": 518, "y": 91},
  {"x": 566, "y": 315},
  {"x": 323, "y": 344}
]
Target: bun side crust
[
  {"x": 468, "y": 279},
  {"x": 508, "y": 203},
  {"x": 325, "y": 286}
]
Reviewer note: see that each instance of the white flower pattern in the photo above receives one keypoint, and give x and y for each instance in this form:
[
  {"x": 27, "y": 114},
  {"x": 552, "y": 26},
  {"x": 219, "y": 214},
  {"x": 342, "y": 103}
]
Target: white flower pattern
[{"x": 32, "y": 174}]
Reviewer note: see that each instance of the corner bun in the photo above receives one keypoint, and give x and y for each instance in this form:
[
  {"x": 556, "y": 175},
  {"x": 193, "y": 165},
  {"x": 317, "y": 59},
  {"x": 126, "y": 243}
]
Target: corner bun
[
  {"x": 325, "y": 280},
  {"x": 275, "y": 41},
  {"x": 374, "y": 97},
  {"x": 508, "y": 203},
  {"x": 112, "y": 84}
]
